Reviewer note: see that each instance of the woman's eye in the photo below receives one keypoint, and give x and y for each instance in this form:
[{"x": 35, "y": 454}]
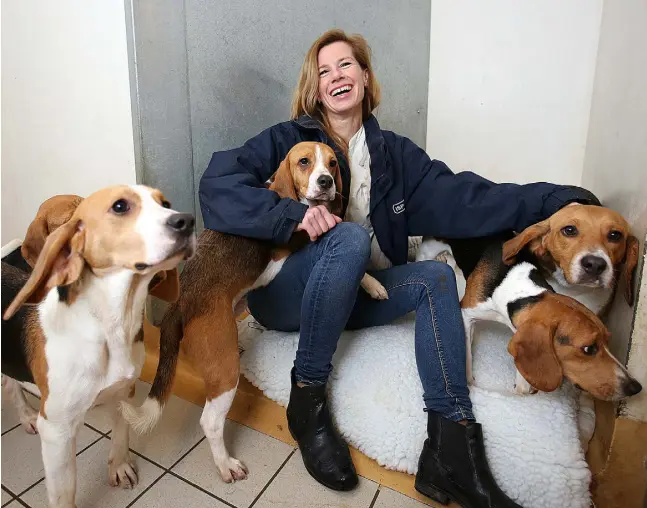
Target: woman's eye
[
  {"x": 120, "y": 206},
  {"x": 345, "y": 64},
  {"x": 322, "y": 73}
]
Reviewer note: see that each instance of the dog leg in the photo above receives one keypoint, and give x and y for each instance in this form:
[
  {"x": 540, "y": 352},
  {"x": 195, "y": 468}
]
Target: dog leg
[
  {"x": 122, "y": 470},
  {"x": 211, "y": 342},
  {"x": 58, "y": 443},
  {"x": 27, "y": 414},
  {"x": 373, "y": 287},
  {"x": 469, "y": 336},
  {"x": 213, "y": 424}
]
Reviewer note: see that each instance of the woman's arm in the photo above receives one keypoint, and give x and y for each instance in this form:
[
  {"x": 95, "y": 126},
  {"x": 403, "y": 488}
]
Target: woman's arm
[
  {"x": 233, "y": 196},
  {"x": 465, "y": 205}
]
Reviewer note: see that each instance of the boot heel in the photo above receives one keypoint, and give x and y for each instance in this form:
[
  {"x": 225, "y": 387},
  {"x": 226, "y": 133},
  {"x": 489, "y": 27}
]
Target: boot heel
[{"x": 433, "y": 493}]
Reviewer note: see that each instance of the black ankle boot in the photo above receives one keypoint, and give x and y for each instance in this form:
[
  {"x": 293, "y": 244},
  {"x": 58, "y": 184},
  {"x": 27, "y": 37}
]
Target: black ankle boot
[
  {"x": 453, "y": 467},
  {"x": 325, "y": 455}
]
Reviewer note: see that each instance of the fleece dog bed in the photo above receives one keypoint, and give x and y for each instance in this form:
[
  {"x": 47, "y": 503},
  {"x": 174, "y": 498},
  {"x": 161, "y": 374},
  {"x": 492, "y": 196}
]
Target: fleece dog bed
[{"x": 532, "y": 442}]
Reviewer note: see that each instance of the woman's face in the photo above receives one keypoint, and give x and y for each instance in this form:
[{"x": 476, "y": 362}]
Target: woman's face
[{"x": 341, "y": 79}]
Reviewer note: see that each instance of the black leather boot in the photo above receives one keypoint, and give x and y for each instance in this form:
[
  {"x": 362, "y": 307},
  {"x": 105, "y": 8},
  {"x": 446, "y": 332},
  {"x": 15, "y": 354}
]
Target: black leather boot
[
  {"x": 325, "y": 455},
  {"x": 453, "y": 467}
]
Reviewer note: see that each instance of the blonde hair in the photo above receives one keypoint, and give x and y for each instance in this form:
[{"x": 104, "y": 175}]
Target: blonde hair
[{"x": 305, "y": 100}]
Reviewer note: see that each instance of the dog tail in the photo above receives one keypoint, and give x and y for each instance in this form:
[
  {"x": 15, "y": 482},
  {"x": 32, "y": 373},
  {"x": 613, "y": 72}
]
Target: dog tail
[{"x": 143, "y": 418}]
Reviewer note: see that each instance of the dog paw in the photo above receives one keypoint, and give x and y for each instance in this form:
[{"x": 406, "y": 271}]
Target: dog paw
[
  {"x": 373, "y": 287},
  {"x": 232, "y": 470},
  {"x": 442, "y": 257},
  {"x": 123, "y": 473},
  {"x": 28, "y": 421},
  {"x": 523, "y": 387}
]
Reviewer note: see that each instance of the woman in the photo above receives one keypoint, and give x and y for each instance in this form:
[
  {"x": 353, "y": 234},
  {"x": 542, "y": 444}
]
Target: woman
[{"x": 393, "y": 190}]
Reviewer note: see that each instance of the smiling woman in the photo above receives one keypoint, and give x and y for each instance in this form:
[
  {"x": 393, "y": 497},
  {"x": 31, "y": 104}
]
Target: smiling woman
[{"x": 391, "y": 190}]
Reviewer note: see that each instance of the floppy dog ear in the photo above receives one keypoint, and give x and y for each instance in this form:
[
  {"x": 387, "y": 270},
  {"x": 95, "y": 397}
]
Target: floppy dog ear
[
  {"x": 60, "y": 263},
  {"x": 51, "y": 214},
  {"x": 630, "y": 261},
  {"x": 534, "y": 356},
  {"x": 512, "y": 247},
  {"x": 283, "y": 183},
  {"x": 165, "y": 285}
]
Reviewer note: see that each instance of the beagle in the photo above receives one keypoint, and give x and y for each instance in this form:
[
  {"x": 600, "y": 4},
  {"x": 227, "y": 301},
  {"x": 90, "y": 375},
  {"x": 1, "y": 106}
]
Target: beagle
[
  {"x": 82, "y": 344},
  {"x": 554, "y": 335},
  {"x": 213, "y": 283}
]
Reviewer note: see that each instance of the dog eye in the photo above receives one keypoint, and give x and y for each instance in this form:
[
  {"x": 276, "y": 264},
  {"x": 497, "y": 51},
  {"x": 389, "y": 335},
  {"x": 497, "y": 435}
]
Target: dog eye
[
  {"x": 166, "y": 204},
  {"x": 304, "y": 161},
  {"x": 569, "y": 231},
  {"x": 120, "y": 206},
  {"x": 614, "y": 236},
  {"x": 333, "y": 163},
  {"x": 590, "y": 350}
]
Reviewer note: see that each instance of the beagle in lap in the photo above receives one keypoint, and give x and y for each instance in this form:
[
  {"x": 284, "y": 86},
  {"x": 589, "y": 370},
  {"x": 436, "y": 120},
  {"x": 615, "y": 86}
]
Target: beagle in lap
[
  {"x": 213, "y": 285},
  {"x": 554, "y": 335},
  {"x": 82, "y": 345}
]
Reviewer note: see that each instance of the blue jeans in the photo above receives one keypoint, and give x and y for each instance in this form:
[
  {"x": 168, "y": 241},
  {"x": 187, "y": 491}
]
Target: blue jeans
[{"x": 318, "y": 292}]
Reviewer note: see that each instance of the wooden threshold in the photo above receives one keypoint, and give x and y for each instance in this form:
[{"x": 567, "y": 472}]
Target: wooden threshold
[{"x": 253, "y": 409}]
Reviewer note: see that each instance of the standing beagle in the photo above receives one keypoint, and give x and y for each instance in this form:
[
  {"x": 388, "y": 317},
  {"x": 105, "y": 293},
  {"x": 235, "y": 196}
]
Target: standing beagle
[
  {"x": 554, "y": 335},
  {"x": 225, "y": 268},
  {"x": 82, "y": 344}
]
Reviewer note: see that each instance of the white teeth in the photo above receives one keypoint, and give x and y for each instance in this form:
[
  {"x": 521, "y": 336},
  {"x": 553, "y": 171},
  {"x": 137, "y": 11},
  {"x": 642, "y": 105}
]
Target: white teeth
[{"x": 342, "y": 89}]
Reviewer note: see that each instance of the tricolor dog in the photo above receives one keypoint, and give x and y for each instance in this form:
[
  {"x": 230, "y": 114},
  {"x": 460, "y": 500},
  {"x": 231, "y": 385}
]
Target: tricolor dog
[
  {"x": 81, "y": 343},
  {"x": 554, "y": 335},
  {"x": 223, "y": 270}
]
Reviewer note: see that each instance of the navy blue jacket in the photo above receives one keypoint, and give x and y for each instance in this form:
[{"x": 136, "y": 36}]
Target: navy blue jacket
[{"x": 411, "y": 195}]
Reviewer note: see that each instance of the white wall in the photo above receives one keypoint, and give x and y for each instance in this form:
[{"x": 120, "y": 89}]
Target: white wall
[
  {"x": 66, "y": 109},
  {"x": 510, "y": 86}
]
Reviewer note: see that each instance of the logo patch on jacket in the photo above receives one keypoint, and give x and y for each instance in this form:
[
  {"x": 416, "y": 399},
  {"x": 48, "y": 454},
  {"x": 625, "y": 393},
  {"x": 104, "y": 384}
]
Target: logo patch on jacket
[{"x": 398, "y": 207}]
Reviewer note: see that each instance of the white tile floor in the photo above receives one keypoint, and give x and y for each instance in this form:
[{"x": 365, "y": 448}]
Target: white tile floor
[{"x": 175, "y": 468}]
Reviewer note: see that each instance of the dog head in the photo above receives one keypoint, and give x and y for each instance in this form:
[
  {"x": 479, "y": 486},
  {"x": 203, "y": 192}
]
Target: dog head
[
  {"x": 559, "y": 337},
  {"x": 581, "y": 245},
  {"x": 310, "y": 173},
  {"x": 118, "y": 228}
]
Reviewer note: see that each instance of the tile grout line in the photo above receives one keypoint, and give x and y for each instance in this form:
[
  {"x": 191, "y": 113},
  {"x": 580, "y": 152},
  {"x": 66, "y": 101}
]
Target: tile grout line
[
  {"x": 196, "y": 486},
  {"x": 273, "y": 476},
  {"x": 153, "y": 483},
  {"x": 20, "y": 501},
  {"x": 9, "y": 430},
  {"x": 377, "y": 493},
  {"x": 187, "y": 453},
  {"x": 11, "y": 495}
]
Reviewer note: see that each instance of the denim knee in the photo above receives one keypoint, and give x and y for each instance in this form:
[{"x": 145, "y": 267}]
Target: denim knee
[
  {"x": 437, "y": 274},
  {"x": 352, "y": 240}
]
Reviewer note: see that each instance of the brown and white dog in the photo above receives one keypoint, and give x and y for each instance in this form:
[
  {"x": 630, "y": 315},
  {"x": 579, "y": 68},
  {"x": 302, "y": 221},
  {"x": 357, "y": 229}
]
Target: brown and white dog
[
  {"x": 82, "y": 345},
  {"x": 555, "y": 336},
  {"x": 214, "y": 282}
]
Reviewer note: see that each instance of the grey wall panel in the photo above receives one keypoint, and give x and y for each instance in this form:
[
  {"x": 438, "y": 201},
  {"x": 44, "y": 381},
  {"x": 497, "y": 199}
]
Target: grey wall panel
[{"x": 166, "y": 159}]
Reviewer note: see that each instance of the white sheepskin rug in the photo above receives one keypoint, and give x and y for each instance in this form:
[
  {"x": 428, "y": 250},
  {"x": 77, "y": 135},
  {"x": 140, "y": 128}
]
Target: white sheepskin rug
[{"x": 532, "y": 441}]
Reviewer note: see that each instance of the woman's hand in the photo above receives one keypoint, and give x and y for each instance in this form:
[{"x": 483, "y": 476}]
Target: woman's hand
[{"x": 317, "y": 221}]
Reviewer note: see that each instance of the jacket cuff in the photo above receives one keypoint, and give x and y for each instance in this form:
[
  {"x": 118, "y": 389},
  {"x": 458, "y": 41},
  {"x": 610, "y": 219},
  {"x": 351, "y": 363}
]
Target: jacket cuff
[
  {"x": 291, "y": 217},
  {"x": 569, "y": 194}
]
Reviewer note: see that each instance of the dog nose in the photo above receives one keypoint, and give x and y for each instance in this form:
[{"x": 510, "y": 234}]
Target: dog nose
[
  {"x": 324, "y": 182},
  {"x": 593, "y": 265},
  {"x": 632, "y": 387},
  {"x": 181, "y": 223}
]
